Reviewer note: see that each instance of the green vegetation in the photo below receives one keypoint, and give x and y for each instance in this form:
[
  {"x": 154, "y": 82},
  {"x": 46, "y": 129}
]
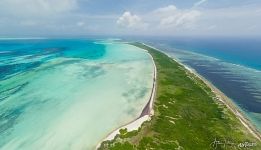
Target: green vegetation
[{"x": 187, "y": 115}]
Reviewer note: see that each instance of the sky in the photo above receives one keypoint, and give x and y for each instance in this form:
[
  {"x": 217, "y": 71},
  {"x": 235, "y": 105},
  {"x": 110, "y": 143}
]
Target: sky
[{"x": 130, "y": 17}]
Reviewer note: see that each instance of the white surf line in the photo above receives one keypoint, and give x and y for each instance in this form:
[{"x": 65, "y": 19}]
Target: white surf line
[
  {"x": 134, "y": 125},
  {"x": 229, "y": 104},
  {"x": 221, "y": 96}
]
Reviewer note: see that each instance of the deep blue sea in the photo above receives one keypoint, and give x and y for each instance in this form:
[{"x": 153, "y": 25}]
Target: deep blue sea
[
  {"x": 246, "y": 52},
  {"x": 233, "y": 65}
]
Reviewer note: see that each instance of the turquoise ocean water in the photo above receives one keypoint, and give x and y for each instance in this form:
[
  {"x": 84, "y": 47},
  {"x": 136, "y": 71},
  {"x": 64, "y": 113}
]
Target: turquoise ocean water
[{"x": 69, "y": 93}]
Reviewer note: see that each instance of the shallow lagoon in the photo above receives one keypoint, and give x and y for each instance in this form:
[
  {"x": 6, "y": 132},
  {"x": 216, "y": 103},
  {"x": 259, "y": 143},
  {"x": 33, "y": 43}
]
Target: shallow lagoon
[{"x": 69, "y": 94}]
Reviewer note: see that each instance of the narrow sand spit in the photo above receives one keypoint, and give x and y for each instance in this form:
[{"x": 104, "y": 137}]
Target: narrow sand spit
[
  {"x": 148, "y": 109},
  {"x": 229, "y": 104},
  {"x": 146, "y": 114},
  {"x": 222, "y": 98}
]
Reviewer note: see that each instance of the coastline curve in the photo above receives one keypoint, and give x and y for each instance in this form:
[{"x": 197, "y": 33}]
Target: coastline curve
[{"x": 145, "y": 115}]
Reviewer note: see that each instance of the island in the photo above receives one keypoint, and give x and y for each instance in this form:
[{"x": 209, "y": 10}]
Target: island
[{"x": 188, "y": 113}]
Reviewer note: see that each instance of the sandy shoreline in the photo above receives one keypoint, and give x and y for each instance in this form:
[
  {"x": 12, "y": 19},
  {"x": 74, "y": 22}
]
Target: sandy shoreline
[
  {"x": 230, "y": 105},
  {"x": 145, "y": 115},
  {"x": 148, "y": 111},
  {"x": 222, "y": 98}
]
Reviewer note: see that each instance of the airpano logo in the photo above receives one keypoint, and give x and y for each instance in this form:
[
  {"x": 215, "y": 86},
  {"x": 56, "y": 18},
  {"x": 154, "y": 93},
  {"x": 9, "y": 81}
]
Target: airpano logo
[
  {"x": 247, "y": 144},
  {"x": 226, "y": 144}
]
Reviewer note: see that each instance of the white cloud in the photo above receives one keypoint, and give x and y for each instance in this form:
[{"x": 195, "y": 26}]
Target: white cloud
[
  {"x": 258, "y": 11},
  {"x": 29, "y": 8},
  {"x": 183, "y": 20},
  {"x": 164, "y": 20},
  {"x": 60, "y": 16},
  {"x": 80, "y": 23},
  {"x": 130, "y": 21},
  {"x": 172, "y": 17},
  {"x": 199, "y": 3},
  {"x": 211, "y": 27},
  {"x": 166, "y": 10},
  {"x": 28, "y": 23}
]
